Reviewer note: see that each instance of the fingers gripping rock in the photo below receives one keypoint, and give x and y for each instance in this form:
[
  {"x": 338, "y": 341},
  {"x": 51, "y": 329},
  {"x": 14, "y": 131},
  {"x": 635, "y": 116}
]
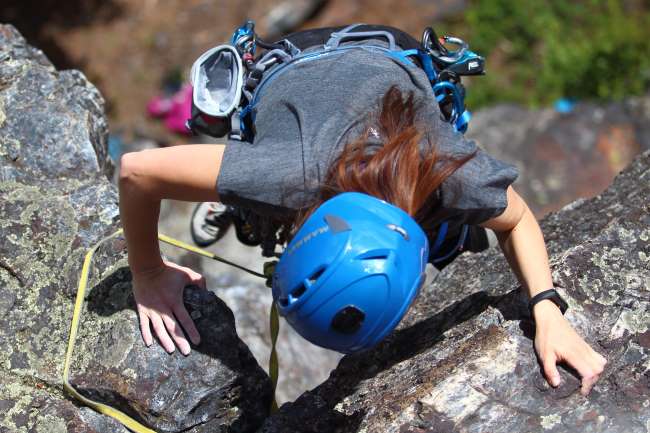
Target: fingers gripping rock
[{"x": 172, "y": 392}]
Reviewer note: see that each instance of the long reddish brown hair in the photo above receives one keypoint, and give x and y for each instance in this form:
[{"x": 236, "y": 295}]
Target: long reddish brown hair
[{"x": 402, "y": 171}]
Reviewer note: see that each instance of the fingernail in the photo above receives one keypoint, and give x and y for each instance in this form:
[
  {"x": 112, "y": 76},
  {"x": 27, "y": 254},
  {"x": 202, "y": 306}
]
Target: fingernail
[{"x": 556, "y": 381}]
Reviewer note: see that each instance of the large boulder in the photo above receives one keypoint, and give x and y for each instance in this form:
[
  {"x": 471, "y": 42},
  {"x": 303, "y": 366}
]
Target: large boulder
[
  {"x": 564, "y": 156},
  {"x": 463, "y": 359},
  {"x": 56, "y": 202}
]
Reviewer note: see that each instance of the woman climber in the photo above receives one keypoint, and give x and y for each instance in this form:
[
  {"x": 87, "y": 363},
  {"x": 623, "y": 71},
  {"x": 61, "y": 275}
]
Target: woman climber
[{"x": 350, "y": 161}]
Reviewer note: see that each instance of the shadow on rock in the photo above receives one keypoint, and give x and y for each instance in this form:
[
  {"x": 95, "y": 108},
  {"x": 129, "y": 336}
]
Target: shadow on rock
[
  {"x": 404, "y": 344},
  {"x": 409, "y": 342},
  {"x": 219, "y": 385}
]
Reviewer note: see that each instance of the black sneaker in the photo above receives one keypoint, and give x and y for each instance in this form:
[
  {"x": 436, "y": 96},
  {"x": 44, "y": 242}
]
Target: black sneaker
[{"x": 210, "y": 221}]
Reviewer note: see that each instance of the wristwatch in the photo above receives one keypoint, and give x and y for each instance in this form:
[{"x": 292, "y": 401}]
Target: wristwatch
[{"x": 550, "y": 294}]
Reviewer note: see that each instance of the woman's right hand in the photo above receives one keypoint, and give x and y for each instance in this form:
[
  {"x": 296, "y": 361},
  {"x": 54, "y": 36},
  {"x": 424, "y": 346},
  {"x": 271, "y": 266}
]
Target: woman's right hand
[{"x": 159, "y": 298}]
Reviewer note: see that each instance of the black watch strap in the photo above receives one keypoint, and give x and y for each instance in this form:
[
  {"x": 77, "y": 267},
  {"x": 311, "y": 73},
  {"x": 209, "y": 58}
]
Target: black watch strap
[{"x": 550, "y": 294}]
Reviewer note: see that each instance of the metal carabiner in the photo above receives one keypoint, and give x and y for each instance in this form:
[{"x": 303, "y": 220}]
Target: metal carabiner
[
  {"x": 430, "y": 42},
  {"x": 244, "y": 38},
  {"x": 456, "y": 54},
  {"x": 437, "y": 49}
]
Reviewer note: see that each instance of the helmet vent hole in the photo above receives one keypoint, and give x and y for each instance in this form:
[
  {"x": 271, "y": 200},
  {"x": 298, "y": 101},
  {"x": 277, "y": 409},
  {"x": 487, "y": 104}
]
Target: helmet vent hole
[
  {"x": 376, "y": 256},
  {"x": 298, "y": 292},
  {"x": 316, "y": 275},
  {"x": 348, "y": 320}
]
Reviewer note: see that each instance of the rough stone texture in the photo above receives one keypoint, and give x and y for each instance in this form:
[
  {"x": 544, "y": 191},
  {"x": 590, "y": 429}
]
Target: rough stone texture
[
  {"x": 463, "y": 359},
  {"x": 65, "y": 117},
  {"x": 561, "y": 156},
  {"x": 55, "y": 202},
  {"x": 219, "y": 387}
]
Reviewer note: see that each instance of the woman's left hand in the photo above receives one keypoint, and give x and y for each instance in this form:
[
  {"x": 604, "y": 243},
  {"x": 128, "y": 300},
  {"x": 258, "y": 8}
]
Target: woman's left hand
[{"x": 557, "y": 341}]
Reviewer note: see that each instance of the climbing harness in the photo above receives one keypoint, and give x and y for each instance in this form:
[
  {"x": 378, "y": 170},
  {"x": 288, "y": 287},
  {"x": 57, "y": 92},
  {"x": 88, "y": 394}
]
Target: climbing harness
[
  {"x": 221, "y": 70},
  {"x": 124, "y": 419},
  {"x": 227, "y": 79}
]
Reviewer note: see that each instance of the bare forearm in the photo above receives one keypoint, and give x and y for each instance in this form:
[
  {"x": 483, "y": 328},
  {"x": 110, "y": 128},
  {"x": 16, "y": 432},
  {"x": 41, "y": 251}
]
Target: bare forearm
[
  {"x": 555, "y": 340},
  {"x": 186, "y": 172},
  {"x": 525, "y": 250},
  {"x": 139, "y": 215}
]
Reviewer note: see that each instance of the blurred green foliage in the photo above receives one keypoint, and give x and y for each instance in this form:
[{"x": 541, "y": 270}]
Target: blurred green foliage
[{"x": 541, "y": 50}]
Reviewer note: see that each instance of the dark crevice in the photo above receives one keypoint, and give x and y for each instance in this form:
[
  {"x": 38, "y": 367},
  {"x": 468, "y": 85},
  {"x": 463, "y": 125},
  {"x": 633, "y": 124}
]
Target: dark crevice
[{"x": 13, "y": 273}]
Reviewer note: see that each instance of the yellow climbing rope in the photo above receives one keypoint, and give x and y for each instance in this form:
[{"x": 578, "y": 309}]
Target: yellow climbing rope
[{"x": 126, "y": 420}]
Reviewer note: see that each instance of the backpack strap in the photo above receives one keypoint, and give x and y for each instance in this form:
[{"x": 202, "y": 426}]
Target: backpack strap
[
  {"x": 313, "y": 37},
  {"x": 440, "y": 237},
  {"x": 442, "y": 66},
  {"x": 337, "y": 37}
]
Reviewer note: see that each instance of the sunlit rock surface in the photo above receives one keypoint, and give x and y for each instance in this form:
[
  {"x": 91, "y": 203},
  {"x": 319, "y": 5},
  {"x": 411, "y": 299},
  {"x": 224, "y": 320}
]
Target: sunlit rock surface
[
  {"x": 463, "y": 359},
  {"x": 564, "y": 156},
  {"x": 56, "y": 201}
]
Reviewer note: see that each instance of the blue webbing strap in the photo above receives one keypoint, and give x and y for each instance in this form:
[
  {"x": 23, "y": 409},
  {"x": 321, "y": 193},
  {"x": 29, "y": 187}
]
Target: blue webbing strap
[
  {"x": 402, "y": 56},
  {"x": 427, "y": 63},
  {"x": 463, "y": 121},
  {"x": 442, "y": 233},
  {"x": 461, "y": 241}
]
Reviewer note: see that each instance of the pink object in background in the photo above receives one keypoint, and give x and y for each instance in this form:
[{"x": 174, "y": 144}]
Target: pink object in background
[{"x": 174, "y": 110}]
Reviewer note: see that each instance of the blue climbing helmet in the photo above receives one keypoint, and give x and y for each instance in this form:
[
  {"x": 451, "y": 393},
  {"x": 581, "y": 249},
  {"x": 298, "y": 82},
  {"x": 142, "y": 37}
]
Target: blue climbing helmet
[{"x": 350, "y": 273}]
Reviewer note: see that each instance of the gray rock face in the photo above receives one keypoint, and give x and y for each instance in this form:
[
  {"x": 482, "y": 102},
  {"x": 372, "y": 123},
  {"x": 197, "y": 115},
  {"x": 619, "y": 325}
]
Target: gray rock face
[
  {"x": 564, "y": 156},
  {"x": 288, "y": 15},
  {"x": 219, "y": 387},
  {"x": 65, "y": 117},
  {"x": 463, "y": 358},
  {"x": 56, "y": 202}
]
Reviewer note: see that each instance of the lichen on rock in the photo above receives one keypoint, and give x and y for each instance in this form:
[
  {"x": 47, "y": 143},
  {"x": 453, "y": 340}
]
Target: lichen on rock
[
  {"x": 461, "y": 360},
  {"x": 56, "y": 202}
]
